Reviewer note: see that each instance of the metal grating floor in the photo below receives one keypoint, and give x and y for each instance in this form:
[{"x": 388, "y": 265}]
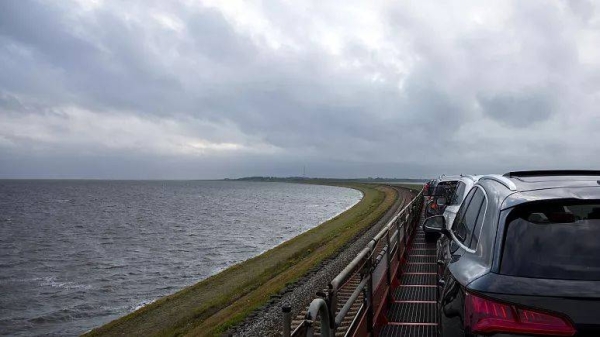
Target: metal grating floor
[
  {"x": 418, "y": 279},
  {"x": 424, "y": 250},
  {"x": 419, "y": 268},
  {"x": 413, "y": 311},
  {"x": 408, "y": 331},
  {"x": 414, "y": 294},
  {"x": 421, "y": 258}
]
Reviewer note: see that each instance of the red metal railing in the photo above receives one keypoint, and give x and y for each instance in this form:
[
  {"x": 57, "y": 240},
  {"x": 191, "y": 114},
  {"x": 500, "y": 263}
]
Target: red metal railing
[{"x": 374, "y": 267}]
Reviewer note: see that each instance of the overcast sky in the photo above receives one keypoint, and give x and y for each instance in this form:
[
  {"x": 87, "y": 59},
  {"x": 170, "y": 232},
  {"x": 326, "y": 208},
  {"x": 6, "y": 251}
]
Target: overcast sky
[{"x": 215, "y": 89}]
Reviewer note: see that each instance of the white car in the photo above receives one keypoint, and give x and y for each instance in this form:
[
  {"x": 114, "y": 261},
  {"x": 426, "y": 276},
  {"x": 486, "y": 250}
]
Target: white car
[{"x": 465, "y": 184}]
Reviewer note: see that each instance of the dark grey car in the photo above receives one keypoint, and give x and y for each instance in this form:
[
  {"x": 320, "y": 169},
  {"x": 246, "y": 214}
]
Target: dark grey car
[{"x": 522, "y": 257}]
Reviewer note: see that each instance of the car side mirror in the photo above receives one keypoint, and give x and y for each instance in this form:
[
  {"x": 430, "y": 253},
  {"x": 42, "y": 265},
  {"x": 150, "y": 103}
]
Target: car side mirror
[
  {"x": 441, "y": 201},
  {"x": 434, "y": 224}
]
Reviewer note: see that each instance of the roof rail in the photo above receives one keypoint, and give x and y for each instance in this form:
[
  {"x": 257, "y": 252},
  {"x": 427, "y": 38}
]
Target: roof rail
[
  {"x": 552, "y": 173},
  {"x": 500, "y": 179}
]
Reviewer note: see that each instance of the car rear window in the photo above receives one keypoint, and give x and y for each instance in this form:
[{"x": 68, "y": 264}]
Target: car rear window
[
  {"x": 554, "y": 240},
  {"x": 445, "y": 189}
]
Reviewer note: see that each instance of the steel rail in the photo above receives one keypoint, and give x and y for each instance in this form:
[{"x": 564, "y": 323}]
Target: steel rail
[{"x": 340, "y": 316}]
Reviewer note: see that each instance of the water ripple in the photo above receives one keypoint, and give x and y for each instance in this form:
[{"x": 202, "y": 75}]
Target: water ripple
[{"x": 77, "y": 254}]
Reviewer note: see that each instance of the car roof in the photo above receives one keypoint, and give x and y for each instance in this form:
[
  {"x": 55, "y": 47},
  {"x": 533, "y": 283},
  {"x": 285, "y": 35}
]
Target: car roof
[
  {"x": 456, "y": 177},
  {"x": 448, "y": 178},
  {"x": 525, "y": 186},
  {"x": 469, "y": 178}
]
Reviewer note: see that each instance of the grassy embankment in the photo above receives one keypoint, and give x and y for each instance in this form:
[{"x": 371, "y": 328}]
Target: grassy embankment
[
  {"x": 416, "y": 187},
  {"x": 213, "y": 305}
]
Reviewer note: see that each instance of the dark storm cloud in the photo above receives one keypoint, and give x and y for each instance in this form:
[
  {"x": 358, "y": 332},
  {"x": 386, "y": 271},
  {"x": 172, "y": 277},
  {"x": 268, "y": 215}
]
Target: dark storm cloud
[
  {"x": 204, "y": 90},
  {"x": 103, "y": 62},
  {"x": 520, "y": 110}
]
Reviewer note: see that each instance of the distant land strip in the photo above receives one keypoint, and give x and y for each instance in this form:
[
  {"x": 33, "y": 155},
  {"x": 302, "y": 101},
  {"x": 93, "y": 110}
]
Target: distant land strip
[
  {"x": 419, "y": 181},
  {"x": 211, "y": 306}
]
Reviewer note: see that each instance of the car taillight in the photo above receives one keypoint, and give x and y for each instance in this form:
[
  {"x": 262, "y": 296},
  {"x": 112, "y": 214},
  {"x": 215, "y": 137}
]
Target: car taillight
[{"x": 486, "y": 316}]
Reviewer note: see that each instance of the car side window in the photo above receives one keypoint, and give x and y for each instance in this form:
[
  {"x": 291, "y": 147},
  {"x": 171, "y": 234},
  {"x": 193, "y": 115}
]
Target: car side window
[
  {"x": 463, "y": 207},
  {"x": 461, "y": 212},
  {"x": 478, "y": 224},
  {"x": 464, "y": 225},
  {"x": 458, "y": 193}
]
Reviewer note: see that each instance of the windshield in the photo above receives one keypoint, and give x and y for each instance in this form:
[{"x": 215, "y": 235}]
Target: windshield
[{"x": 555, "y": 240}]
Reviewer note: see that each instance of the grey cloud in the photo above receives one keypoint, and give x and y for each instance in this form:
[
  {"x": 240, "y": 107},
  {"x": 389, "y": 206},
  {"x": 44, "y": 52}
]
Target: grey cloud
[
  {"x": 11, "y": 103},
  {"x": 519, "y": 110},
  {"x": 400, "y": 108},
  {"x": 582, "y": 8}
]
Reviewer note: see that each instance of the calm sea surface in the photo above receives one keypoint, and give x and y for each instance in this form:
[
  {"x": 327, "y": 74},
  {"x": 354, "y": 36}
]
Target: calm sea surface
[{"x": 77, "y": 254}]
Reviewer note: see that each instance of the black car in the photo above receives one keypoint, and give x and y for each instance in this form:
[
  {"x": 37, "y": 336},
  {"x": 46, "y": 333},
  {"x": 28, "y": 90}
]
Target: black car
[
  {"x": 522, "y": 257},
  {"x": 444, "y": 187},
  {"x": 442, "y": 190}
]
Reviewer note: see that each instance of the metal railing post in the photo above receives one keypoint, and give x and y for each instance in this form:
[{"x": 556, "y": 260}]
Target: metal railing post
[
  {"x": 287, "y": 320},
  {"x": 318, "y": 307},
  {"x": 390, "y": 276},
  {"x": 413, "y": 218},
  {"x": 370, "y": 269},
  {"x": 332, "y": 304},
  {"x": 366, "y": 303},
  {"x": 388, "y": 255},
  {"x": 405, "y": 239},
  {"x": 398, "y": 252}
]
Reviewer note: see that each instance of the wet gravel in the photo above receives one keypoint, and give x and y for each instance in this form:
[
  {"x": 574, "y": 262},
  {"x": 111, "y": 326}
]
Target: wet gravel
[{"x": 268, "y": 320}]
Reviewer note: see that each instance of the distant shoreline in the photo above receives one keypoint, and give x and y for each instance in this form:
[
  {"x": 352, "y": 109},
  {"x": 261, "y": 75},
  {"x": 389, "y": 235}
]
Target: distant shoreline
[{"x": 332, "y": 180}]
